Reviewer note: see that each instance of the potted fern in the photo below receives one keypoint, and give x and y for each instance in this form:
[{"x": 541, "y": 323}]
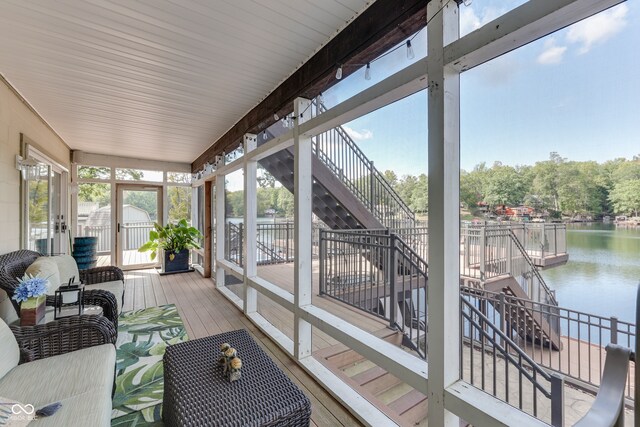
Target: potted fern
[{"x": 175, "y": 241}]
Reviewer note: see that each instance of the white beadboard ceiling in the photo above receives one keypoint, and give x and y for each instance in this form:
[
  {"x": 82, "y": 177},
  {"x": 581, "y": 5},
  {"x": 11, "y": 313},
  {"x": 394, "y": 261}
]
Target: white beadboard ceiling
[{"x": 157, "y": 79}]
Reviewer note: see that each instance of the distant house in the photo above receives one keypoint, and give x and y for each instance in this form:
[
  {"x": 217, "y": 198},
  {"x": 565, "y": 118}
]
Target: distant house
[{"x": 131, "y": 215}]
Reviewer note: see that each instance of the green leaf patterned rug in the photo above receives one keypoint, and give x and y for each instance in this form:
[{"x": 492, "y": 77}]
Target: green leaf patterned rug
[{"x": 143, "y": 336}]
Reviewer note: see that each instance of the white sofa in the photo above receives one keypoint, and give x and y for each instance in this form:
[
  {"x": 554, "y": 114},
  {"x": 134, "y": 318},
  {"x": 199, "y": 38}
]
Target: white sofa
[{"x": 81, "y": 380}]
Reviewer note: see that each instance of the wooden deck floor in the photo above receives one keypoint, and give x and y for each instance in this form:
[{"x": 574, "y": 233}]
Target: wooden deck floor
[{"x": 206, "y": 312}]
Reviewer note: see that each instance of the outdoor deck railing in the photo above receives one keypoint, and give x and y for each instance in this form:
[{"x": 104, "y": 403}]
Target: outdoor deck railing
[
  {"x": 491, "y": 251},
  {"x": 491, "y": 361},
  {"x": 377, "y": 272},
  {"x": 343, "y": 157},
  {"x": 275, "y": 242},
  {"x": 134, "y": 235},
  {"x": 540, "y": 240},
  {"x": 584, "y": 336},
  {"x": 102, "y": 232}
]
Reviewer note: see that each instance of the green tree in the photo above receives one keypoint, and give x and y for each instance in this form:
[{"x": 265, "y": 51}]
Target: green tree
[
  {"x": 179, "y": 203},
  {"x": 625, "y": 197},
  {"x": 505, "y": 186},
  {"x": 145, "y": 200},
  {"x": 391, "y": 177}
]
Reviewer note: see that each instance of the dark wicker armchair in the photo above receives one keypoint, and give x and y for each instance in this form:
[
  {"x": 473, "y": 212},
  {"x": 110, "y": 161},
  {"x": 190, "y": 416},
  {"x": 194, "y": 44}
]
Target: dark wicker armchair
[
  {"x": 14, "y": 265},
  {"x": 63, "y": 336}
]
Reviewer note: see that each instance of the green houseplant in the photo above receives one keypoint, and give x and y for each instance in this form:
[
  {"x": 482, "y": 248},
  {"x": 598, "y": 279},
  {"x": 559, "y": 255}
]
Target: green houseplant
[{"x": 175, "y": 240}]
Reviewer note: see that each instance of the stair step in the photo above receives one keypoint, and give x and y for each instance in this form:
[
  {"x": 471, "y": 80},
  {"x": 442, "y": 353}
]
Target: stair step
[
  {"x": 407, "y": 401},
  {"x": 381, "y": 383},
  {"x": 342, "y": 356},
  {"x": 366, "y": 377},
  {"x": 417, "y": 414},
  {"x": 394, "y": 393},
  {"x": 358, "y": 368}
]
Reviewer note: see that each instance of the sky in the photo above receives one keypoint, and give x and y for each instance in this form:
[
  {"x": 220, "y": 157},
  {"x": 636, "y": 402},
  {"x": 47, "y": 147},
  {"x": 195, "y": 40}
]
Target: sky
[{"x": 576, "y": 92}]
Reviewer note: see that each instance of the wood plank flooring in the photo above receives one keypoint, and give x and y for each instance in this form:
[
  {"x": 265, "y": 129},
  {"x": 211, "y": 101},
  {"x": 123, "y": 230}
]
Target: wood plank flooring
[{"x": 205, "y": 312}]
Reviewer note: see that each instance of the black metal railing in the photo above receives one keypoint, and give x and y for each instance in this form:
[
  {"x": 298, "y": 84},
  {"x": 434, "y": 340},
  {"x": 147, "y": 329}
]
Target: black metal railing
[
  {"x": 377, "y": 272},
  {"x": 275, "y": 242},
  {"x": 491, "y": 361},
  {"x": 337, "y": 150},
  {"x": 584, "y": 336}
]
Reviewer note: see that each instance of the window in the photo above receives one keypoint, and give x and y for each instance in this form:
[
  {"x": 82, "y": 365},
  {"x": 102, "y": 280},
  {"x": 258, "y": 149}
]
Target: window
[{"x": 138, "y": 175}]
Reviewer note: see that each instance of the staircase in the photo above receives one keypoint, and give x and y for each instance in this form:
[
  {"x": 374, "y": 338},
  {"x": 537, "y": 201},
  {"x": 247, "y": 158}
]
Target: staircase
[
  {"x": 348, "y": 191},
  {"x": 495, "y": 260},
  {"x": 400, "y": 402}
]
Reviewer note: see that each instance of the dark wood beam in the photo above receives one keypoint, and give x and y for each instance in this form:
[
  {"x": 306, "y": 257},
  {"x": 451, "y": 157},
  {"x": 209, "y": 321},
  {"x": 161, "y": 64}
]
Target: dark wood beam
[{"x": 383, "y": 25}]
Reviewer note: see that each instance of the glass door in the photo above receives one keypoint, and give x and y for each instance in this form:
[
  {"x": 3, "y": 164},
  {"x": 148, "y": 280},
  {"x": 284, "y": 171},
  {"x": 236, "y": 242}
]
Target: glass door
[
  {"x": 45, "y": 203},
  {"x": 38, "y": 224},
  {"x": 138, "y": 207}
]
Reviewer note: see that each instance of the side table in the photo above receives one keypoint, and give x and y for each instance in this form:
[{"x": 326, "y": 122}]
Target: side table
[{"x": 196, "y": 393}]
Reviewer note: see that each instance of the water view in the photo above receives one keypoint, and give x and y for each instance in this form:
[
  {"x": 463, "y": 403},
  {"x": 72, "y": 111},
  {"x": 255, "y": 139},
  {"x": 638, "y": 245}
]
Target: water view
[{"x": 603, "y": 271}]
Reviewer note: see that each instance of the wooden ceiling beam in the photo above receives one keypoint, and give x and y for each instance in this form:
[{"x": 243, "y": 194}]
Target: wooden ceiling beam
[{"x": 381, "y": 26}]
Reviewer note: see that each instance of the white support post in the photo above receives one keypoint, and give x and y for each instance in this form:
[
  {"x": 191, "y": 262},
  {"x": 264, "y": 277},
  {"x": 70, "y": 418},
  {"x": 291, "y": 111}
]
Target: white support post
[
  {"x": 220, "y": 228},
  {"x": 165, "y": 200},
  {"x": 249, "y": 244},
  {"x": 444, "y": 212},
  {"x": 303, "y": 199}
]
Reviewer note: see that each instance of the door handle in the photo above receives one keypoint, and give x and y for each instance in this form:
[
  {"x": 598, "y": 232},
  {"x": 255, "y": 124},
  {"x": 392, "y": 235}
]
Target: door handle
[{"x": 118, "y": 227}]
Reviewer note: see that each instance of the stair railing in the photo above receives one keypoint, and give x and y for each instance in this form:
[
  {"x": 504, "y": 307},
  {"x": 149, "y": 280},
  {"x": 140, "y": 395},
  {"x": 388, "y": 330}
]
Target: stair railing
[
  {"x": 493, "y": 250},
  {"x": 582, "y": 361},
  {"x": 342, "y": 155},
  {"x": 489, "y": 359},
  {"x": 357, "y": 268},
  {"x": 539, "y": 290}
]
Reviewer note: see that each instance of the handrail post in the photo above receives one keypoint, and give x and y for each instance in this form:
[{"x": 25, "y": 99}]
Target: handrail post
[
  {"x": 614, "y": 330},
  {"x": 392, "y": 280},
  {"x": 322, "y": 256},
  {"x": 287, "y": 237},
  {"x": 557, "y": 400},
  {"x": 510, "y": 244},
  {"x": 503, "y": 311},
  {"x": 483, "y": 238},
  {"x": 371, "y": 186},
  {"x": 241, "y": 238}
]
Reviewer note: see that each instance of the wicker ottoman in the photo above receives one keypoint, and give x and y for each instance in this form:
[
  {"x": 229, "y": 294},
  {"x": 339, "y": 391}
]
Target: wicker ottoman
[{"x": 197, "y": 394}]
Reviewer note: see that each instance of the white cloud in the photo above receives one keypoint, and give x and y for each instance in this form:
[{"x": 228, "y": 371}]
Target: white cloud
[
  {"x": 470, "y": 20},
  {"x": 552, "y": 53},
  {"x": 598, "y": 28},
  {"x": 499, "y": 71},
  {"x": 358, "y": 135}
]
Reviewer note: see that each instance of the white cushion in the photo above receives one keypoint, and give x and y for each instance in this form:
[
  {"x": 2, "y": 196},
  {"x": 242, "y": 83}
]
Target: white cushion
[
  {"x": 9, "y": 351},
  {"x": 46, "y": 268},
  {"x": 22, "y": 415},
  {"x": 67, "y": 267},
  {"x": 81, "y": 380}
]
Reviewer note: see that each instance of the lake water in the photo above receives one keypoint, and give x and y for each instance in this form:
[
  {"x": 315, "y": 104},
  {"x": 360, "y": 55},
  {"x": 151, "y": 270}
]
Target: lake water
[{"x": 603, "y": 271}]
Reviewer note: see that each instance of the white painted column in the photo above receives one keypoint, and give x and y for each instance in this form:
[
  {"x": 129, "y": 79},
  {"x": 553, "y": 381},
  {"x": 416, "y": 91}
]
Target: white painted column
[
  {"x": 165, "y": 200},
  {"x": 303, "y": 199},
  {"x": 444, "y": 211},
  {"x": 220, "y": 227},
  {"x": 249, "y": 244}
]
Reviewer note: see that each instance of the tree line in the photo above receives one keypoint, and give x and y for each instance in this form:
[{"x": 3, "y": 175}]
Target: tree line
[{"x": 558, "y": 186}]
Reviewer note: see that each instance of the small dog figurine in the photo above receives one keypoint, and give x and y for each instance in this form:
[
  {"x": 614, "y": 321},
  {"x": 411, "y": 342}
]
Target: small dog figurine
[
  {"x": 234, "y": 369},
  {"x": 229, "y": 354},
  {"x": 222, "y": 360}
]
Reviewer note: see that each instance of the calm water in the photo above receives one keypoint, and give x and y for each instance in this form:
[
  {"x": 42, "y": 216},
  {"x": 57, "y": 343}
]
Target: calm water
[{"x": 603, "y": 271}]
